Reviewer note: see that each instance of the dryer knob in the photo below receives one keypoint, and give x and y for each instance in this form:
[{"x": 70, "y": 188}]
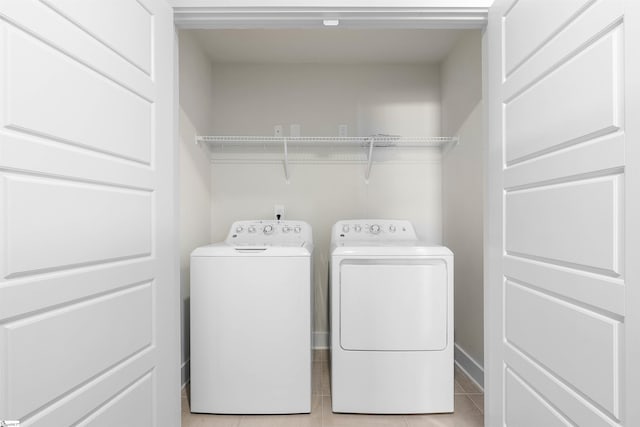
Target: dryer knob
[
  {"x": 286, "y": 229},
  {"x": 239, "y": 229},
  {"x": 345, "y": 228},
  {"x": 297, "y": 229},
  {"x": 375, "y": 229},
  {"x": 268, "y": 229},
  {"x": 251, "y": 229},
  {"x": 357, "y": 228},
  {"x": 392, "y": 228}
]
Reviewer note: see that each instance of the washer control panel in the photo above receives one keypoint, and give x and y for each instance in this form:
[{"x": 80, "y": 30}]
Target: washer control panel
[
  {"x": 269, "y": 233},
  {"x": 373, "y": 229}
]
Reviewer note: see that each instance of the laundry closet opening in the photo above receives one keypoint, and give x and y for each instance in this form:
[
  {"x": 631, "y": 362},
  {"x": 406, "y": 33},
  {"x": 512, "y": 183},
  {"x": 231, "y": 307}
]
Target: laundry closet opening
[{"x": 336, "y": 83}]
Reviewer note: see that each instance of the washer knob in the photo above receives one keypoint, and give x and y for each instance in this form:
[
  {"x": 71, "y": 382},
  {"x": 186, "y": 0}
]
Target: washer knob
[
  {"x": 345, "y": 228},
  {"x": 357, "y": 228},
  {"x": 251, "y": 229},
  {"x": 268, "y": 229},
  {"x": 239, "y": 229},
  {"x": 375, "y": 229},
  {"x": 286, "y": 229},
  {"x": 297, "y": 229},
  {"x": 392, "y": 228}
]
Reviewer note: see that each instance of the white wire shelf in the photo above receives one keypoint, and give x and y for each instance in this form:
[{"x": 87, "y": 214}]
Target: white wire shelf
[
  {"x": 378, "y": 140},
  {"x": 316, "y": 148}
]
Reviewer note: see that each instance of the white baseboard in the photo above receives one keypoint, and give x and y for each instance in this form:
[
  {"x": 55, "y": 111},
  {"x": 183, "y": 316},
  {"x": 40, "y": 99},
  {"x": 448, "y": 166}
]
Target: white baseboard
[
  {"x": 473, "y": 369},
  {"x": 320, "y": 340},
  {"x": 185, "y": 374}
]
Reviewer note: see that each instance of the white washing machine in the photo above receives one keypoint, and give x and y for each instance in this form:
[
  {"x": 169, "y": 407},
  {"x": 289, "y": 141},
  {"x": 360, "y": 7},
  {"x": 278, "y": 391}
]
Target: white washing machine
[
  {"x": 391, "y": 320},
  {"x": 251, "y": 320}
]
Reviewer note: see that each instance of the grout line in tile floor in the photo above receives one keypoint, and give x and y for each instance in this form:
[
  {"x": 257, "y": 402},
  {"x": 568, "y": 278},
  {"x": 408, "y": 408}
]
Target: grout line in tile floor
[{"x": 469, "y": 401}]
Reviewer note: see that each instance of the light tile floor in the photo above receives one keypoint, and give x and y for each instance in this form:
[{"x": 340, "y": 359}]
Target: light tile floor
[{"x": 469, "y": 402}]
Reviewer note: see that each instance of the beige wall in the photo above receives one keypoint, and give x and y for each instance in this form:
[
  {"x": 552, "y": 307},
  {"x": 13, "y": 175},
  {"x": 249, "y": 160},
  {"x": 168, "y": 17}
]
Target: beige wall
[
  {"x": 461, "y": 81},
  {"x": 369, "y": 98},
  {"x": 397, "y": 99},
  {"x": 195, "y": 183},
  {"x": 463, "y": 189}
]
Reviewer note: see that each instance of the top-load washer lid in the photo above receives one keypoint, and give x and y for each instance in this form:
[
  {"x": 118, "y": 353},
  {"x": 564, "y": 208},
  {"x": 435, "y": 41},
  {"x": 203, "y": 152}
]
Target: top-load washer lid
[{"x": 263, "y": 238}]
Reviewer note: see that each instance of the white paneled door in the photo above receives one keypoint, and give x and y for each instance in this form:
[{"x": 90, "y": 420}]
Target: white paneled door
[
  {"x": 88, "y": 286},
  {"x": 564, "y": 248}
]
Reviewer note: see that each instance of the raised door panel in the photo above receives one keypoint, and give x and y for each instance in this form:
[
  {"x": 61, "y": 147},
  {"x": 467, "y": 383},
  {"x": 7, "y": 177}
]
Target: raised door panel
[
  {"x": 133, "y": 406},
  {"x": 575, "y": 224},
  {"x": 575, "y": 344},
  {"x": 528, "y": 24},
  {"x": 526, "y": 408},
  {"x": 56, "y": 96},
  {"x": 131, "y": 37},
  {"x": 49, "y": 354},
  {"x": 585, "y": 104},
  {"x": 111, "y": 224}
]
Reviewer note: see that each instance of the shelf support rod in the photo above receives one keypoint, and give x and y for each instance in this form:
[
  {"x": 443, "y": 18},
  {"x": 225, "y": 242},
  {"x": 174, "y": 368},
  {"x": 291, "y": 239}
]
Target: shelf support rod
[
  {"x": 369, "y": 160},
  {"x": 286, "y": 160}
]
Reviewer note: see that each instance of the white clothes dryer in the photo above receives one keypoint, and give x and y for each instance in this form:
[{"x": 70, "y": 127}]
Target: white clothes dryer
[
  {"x": 391, "y": 313},
  {"x": 251, "y": 320}
]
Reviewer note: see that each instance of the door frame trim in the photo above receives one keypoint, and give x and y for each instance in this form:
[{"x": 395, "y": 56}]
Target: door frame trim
[
  {"x": 403, "y": 17},
  {"x": 493, "y": 238}
]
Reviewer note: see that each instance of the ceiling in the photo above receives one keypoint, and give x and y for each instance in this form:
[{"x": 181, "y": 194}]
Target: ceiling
[{"x": 330, "y": 45}]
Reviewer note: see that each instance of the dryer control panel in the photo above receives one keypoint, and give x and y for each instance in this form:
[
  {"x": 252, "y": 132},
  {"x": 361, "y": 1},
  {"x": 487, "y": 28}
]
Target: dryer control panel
[
  {"x": 269, "y": 233},
  {"x": 372, "y": 230}
]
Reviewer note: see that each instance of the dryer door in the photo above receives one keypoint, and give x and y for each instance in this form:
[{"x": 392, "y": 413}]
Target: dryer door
[{"x": 393, "y": 305}]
